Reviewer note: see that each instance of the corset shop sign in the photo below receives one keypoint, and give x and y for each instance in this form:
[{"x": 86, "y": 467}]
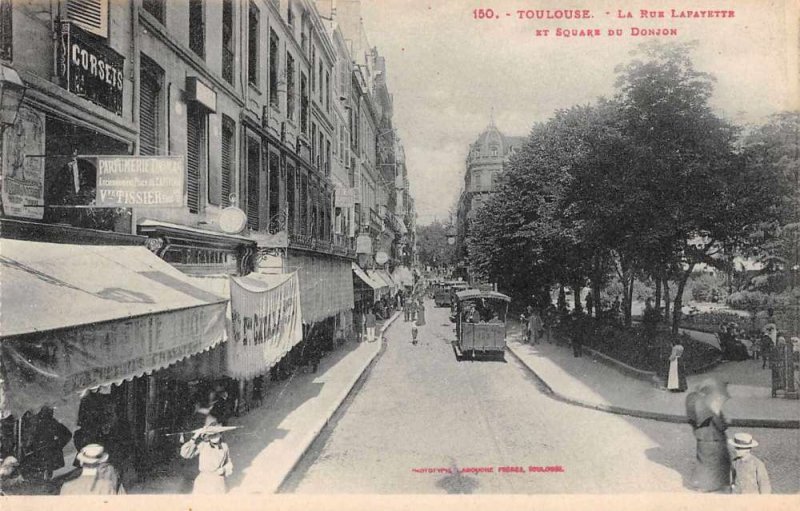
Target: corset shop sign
[{"x": 90, "y": 69}]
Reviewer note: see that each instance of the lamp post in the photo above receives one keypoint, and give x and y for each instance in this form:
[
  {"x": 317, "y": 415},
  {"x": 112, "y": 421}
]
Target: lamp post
[{"x": 12, "y": 93}]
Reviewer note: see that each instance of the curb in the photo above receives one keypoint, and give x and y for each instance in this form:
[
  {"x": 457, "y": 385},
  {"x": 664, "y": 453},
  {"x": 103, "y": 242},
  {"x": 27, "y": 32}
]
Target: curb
[
  {"x": 644, "y": 414},
  {"x": 638, "y": 373},
  {"x": 315, "y": 432}
]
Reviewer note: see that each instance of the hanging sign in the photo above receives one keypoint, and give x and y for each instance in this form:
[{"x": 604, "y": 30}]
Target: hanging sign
[
  {"x": 90, "y": 69},
  {"x": 139, "y": 181},
  {"x": 265, "y": 322}
]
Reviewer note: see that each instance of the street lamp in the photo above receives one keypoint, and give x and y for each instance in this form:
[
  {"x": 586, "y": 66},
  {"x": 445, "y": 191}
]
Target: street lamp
[
  {"x": 451, "y": 237},
  {"x": 12, "y": 92}
]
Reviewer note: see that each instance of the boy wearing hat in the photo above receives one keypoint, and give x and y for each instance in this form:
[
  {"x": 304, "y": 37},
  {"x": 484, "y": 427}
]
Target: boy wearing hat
[
  {"x": 748, "y": 473},
  {"x": 97, "y": 476},
  {"x": 214, "y": 459}
]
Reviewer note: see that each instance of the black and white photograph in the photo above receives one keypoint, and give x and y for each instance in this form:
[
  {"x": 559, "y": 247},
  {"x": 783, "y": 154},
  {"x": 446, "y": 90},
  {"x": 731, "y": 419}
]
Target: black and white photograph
[{"x": 346, "y": 254}]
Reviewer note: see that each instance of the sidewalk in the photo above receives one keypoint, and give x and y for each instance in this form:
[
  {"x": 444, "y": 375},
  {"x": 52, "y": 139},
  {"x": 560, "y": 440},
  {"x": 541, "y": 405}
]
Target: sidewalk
[
  {"x": 273, "y": 437},
  {"x": 590, "y": 382}
]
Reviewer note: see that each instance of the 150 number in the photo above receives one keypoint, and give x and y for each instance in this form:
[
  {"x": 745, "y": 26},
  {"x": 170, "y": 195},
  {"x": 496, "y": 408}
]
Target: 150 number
[{"x": 480, "y": 14}]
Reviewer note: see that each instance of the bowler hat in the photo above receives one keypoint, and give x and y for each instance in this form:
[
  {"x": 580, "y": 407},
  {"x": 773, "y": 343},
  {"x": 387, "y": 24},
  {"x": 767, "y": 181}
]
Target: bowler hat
[
  {"x": 92, "y": 454},
  {"x": 742, "y": 441}
]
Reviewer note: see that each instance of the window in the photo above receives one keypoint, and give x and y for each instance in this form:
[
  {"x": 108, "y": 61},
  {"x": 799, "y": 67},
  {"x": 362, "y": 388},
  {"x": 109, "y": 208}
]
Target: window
[
  {"x": 253, "y": 206},
  {"x": 303, "y": 103},
  {"x": 6, "y": 41},
  {"x": 253, "y": 31},
  {"x": 274, "y": 187},
  {"x": 155, "y": 7},
  {"x": 227, "y": 154},
  {"x": 328, "y": 157},
  {"x": 151, "y": 83},
  {"x": 327, "y": 91},
  {"x": 228, "y": 49},
  {"x": 290, "y": 87},
  {"x": 319, "y": 80},
  {"x": 290, "y": 16},
  {"x": 303, "y": 204},
  {"x": 90, "y": 15},
  {"x": 196, "y": 154},
  {"x": 290, "y": 196},
  {"x": 313, "y": 143},
  {"x": 197, "y": 28},
  {"x": 273, "y": 68}
]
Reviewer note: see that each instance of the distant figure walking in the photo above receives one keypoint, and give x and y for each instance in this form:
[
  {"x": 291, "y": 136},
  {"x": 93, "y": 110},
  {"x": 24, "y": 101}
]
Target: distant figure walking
[
  {"x": 704, "y": 410},
  {"x": 676, "y": 380},
  {"x": 369, "y": 324},
  {"x": 414, "y": 333}
]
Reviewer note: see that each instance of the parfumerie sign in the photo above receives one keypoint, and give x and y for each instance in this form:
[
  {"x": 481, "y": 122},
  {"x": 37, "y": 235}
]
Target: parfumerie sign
[{"x": 139, "y": 181}]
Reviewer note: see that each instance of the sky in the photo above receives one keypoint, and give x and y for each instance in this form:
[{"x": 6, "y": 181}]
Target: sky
[{"x": 448, "y": 71}]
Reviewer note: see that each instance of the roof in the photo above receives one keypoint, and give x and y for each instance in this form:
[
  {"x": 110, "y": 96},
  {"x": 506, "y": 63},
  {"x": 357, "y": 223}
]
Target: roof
[{"x": 470, "y": 294}]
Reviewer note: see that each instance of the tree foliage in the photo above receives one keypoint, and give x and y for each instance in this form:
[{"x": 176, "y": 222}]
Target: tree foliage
[{"x": 650, "y": 183}]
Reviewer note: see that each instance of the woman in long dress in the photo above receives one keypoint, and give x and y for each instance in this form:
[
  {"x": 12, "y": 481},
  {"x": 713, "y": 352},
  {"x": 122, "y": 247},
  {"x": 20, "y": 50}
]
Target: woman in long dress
[
  {"x": 704, "y": 410},
  {"x": 676, "y": 379}
]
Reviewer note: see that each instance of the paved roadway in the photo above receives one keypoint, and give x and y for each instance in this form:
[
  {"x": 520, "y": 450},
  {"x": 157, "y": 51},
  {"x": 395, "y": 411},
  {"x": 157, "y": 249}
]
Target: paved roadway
[{"x": 420, "y": 408}]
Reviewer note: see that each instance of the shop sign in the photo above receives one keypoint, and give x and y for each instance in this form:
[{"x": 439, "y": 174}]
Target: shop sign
[
  {"x": 90, "y": 69},
  {"x": 22, "y": 177},
  {"x": 363, "y": 244},
  {"x": 139, "y": 181}
]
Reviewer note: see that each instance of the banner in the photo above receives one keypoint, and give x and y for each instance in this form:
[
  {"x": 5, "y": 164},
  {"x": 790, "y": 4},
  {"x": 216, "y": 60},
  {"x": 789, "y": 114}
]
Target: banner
[{"x": 266, "y": 322}]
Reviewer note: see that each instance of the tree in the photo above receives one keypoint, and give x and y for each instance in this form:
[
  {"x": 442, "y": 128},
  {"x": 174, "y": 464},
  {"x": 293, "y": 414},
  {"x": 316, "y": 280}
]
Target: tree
[
  {"x": 704, "y": 196},
  {"x": 432, "y": 245}
]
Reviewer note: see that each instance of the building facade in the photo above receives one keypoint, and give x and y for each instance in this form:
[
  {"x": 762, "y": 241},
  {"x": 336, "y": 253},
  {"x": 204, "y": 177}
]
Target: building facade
[
  {"x": 265, "y": 108},
  {"x": 484, "y": 164}
]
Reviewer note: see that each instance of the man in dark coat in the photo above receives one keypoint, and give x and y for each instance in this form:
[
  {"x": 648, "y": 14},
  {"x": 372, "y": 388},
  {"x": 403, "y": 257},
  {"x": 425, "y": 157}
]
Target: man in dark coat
[{"x": 47, "y": 448}]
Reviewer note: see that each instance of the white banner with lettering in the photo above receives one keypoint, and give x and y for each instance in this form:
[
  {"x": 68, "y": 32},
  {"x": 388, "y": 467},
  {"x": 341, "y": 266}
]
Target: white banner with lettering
[{"x": 266, "y": 322}]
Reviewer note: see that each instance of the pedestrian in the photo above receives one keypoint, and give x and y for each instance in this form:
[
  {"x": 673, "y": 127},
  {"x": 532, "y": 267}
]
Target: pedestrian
[
  {"x": 779, "y": 358},
  {"x": 676, "y": 379},
  {"x": 214, "y": 459},
  {"x": 420, "y": 313},
  {"x": 768, "y": 338},
  {"x": 47, "y": 446},
  {"x": 748, "y": 473},
  {"x": 526, "y": 318},
  {"x": 369, "y": 324},
  {"x": 589, "y": 303},
  {"x": 9, "y": 475},
  {"x": 704, "y": 410},
  {"x": 406, "y": 311},
  {"x": 650, "y": 319},
  {"x": 534, "y": 326},
  {"x": 414, "y": 332},
  {"x": 97, "y": 477}
]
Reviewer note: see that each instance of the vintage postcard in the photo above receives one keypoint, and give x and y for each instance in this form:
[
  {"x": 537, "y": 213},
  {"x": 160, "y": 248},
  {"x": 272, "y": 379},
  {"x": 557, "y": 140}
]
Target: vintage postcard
[{"x": 399, "y": 254}]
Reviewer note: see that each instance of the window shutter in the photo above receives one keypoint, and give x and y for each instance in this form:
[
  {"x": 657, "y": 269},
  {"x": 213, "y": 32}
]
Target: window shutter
[
  {"x": 195, "y": 159},
  {"x": 90, "y": 15},
  {"x": 228, "y": 137},
  {"x": 149, "y": 113},
  {"x": 253, "y": 182}
]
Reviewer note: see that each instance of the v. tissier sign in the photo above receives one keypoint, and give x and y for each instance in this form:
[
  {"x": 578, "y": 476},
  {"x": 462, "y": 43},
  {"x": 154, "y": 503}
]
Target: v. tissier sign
[{"x": 139, "y": 181}]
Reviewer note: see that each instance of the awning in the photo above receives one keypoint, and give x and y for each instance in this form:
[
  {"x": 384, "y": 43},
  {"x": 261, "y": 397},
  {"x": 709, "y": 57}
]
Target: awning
[
  {"x": 403, "y": 276},
  {"x": 326, "y": 285},
  {"x": 366, "y": 279},
  {"x": 266, "y": 322},
  {"x": 77, "y": 317},
  {"x": 383, "y": 276}
]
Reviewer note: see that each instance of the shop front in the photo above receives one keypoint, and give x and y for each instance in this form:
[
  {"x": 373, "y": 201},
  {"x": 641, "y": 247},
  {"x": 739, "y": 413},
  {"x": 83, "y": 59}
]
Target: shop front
[{"x": 116, "y": 316}]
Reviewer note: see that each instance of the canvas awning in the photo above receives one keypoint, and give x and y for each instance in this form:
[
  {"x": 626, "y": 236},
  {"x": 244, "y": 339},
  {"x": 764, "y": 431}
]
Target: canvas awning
[
  {"x": 382, "y": 276},
  {"x": 403, "y": 276},
  {"x": 326, "y": 285},
  {"x": 77, "y": 317},
  {"x": 266, "y": 322},
  {"x": 375, "y": 285}
]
